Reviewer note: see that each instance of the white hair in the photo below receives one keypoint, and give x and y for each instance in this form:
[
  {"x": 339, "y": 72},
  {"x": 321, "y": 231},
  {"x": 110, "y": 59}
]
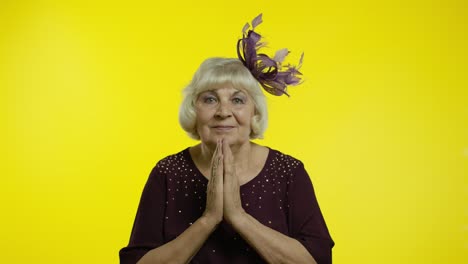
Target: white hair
[{"x": 218, "y": 71}]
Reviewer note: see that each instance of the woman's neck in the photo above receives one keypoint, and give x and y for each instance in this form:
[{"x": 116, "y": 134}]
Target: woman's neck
[{"x": 242, "y": 154}]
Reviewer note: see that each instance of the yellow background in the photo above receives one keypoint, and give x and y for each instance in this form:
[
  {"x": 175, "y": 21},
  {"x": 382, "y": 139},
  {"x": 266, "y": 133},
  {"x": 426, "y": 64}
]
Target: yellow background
[{"x": 90, "y": 93}]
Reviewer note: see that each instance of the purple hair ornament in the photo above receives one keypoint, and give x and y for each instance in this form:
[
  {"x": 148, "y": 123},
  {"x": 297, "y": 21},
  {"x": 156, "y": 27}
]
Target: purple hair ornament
[{"x": 272, "y": 75}]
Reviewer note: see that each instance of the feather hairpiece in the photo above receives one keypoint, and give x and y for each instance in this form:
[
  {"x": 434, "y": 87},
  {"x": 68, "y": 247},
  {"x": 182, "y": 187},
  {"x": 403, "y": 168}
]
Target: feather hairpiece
[{"x": 269, "y": 72}]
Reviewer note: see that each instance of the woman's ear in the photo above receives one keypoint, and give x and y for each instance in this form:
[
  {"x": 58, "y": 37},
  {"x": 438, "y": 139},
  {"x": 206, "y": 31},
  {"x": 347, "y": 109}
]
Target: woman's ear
[{"x": 254, "y": 126}]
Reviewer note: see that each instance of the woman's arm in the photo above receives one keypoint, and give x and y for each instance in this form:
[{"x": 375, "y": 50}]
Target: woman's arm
[
  {"x": 186, "y": 245},
  {"x": 273, "y": 246}
]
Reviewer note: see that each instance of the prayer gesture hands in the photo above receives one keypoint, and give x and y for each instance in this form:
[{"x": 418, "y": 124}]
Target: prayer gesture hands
[{"x": 223, "y": 191}]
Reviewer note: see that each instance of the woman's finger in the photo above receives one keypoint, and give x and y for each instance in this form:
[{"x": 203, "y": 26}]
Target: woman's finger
[
  {"x": 232, "y": 206},
  {"x": 219, "y": 175},
  {"x": 214, "y": 199},
  {"x": 214, "y": 159},
  {"x": 219, "y": 168},
  {"x": 228, "y": 162}
]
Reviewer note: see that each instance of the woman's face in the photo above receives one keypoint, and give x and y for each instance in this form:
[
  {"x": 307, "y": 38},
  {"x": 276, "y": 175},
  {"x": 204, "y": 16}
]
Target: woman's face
[{"x": 224, "y": 112}]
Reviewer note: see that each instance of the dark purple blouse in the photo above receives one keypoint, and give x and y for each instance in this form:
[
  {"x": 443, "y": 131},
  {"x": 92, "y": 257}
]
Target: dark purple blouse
[{"x": 281, "y": 197}]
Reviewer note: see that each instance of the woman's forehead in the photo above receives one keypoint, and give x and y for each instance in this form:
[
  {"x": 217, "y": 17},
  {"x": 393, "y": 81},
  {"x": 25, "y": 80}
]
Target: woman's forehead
[{"x": 224, "y": 88}]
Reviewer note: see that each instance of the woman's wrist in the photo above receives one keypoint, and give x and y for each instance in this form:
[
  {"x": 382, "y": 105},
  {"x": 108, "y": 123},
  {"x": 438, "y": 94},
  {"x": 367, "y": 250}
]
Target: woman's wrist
[
  {"x": 209, "y": 222},
  {"x": 238, "y": 219}
]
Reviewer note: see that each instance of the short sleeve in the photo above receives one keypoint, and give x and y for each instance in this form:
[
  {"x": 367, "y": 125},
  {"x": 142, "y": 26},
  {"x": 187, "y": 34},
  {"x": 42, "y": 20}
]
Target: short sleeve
[
  {"x": 306, "y": 222},
  {"x": 147, "y": 232}
]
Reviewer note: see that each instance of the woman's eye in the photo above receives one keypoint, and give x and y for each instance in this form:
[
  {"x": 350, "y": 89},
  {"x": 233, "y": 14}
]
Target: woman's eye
[
  {"x": 238, "y": 100},
  {"x": 209, "y": 100}
]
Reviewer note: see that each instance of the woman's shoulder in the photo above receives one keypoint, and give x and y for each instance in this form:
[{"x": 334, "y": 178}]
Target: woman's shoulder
[
  {"x": 281, "y": 159},
  {"x": 179, "y": 159}
]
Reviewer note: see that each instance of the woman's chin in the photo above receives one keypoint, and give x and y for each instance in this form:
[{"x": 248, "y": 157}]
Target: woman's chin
[
  {"x": 227, "y": 139},
  {"x": 212, "y": 141}
]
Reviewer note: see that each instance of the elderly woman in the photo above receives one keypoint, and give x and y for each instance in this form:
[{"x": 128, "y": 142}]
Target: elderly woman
[{"x": 227, "y": 199}]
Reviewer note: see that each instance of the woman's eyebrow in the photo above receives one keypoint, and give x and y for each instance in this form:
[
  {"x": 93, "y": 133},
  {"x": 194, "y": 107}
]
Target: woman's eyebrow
[
  {"x": 208, "y": 92},
  {"x": 214, "y": 92},
  {"x": 238, "y": 92}
]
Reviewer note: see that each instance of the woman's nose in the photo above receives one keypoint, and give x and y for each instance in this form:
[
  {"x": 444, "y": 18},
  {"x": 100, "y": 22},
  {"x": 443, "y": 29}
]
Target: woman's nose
[{"x": 223, "y": 110}]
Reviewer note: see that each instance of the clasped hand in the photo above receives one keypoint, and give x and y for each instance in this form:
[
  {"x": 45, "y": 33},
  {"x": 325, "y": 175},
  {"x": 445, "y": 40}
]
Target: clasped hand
[{"x": 223, "y": 192}]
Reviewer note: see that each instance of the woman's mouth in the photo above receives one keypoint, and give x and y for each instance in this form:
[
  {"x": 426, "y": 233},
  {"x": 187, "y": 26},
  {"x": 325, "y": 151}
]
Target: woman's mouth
[{"x": 222, "y": 128}]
